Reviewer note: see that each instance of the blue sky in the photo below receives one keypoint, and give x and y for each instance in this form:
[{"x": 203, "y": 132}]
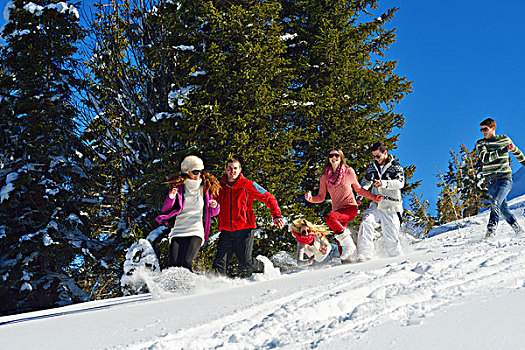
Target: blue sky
[{"x": 465, "y": 58}]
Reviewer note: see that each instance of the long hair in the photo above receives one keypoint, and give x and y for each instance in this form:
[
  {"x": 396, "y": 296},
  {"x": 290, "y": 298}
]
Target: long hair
[
  {"x": 327, "y": 162},
  {"x": 321, "y": 230},
  {"x": 208, "y": 181},
  {"x": 175, "y": 180}
]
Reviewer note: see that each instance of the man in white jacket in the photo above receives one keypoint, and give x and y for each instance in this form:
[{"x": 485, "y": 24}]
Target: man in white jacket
[{"x": 386, "y": 177}]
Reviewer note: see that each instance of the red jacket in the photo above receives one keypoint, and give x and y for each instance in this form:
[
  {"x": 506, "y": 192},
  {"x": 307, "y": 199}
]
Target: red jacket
[{"x": 236, "y": 201}]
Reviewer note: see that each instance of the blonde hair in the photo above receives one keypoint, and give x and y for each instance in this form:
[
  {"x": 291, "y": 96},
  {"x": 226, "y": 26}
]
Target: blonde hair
[{"x": 321, "y": 230}]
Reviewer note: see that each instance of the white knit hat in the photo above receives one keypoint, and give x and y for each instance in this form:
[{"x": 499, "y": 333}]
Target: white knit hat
[{"x": 191, "y": 163}]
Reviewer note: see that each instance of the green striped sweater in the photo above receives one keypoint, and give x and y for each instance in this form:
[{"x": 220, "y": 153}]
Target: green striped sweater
[{"x": 495, "y": 157}]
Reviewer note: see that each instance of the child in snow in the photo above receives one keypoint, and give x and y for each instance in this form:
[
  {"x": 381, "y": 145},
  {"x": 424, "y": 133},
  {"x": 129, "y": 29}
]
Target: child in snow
[
  {"x": 311, "y": 241},
  {"x": 340, "y": 180},
  {"x": 188, "y": 209}
]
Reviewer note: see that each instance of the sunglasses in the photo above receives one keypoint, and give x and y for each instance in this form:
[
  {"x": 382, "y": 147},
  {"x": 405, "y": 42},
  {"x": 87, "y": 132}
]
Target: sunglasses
[
  {"x": 196, "y": 172},
  {"x": 377, "y": 156},
  {"x": 305, "y": 231},
  {"x": 331, "y": 155},
  {"x": 484, "y": 129}
]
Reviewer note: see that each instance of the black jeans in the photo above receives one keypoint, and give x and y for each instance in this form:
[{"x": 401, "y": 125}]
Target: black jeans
[
  {"x": 183, "y": 250},
  {"x": 241, "y": 243}
]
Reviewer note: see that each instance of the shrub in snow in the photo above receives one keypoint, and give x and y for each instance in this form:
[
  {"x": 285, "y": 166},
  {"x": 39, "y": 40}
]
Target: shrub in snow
[{"x": 140, "y": 259}]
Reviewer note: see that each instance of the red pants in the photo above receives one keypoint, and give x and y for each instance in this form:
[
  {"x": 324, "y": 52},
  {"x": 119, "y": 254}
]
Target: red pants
[{"x": 337, "y": 220}]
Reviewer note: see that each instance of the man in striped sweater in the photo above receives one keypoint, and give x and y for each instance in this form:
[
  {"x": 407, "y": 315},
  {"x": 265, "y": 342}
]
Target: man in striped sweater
[{"x": 493, "y": 151}]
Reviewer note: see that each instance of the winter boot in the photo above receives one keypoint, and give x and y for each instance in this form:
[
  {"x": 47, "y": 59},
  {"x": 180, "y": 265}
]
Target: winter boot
[
  {"x": 347, "y": 244},
  {"x": 360, "y": 258},
  {"x": 517, "y": 228},
  {"x": 490, "y": 234},
  {"x": 491, "y": 230}
]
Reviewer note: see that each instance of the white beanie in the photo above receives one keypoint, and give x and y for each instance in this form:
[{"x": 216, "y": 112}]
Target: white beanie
[{"x": 191, "y": 163}]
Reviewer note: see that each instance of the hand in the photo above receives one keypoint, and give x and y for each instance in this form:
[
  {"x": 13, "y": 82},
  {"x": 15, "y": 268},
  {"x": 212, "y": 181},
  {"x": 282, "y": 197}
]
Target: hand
[
  {"x": 308, "y": 196},
  {"x": 278, "y": 222},
  {"x": 379, "y": 198},
  {"x": 213, "y": 203},
  {"x": 511, "y": 147},
  {"x": 377, "y": 183},
  {"x": 173, "y": 193}
]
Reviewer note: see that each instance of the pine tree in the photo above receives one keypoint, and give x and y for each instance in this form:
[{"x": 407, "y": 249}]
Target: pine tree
[
  {"x": 345, "y": 91},
  {"x": 45, "y": 231},
  {"x": 245, "y": 104},
  {"x": 463, "y": 191},
  {"x": 278, "y": 83},
  {"x": 138, "y": 71},
  {"x": 474, "y": 191},
  {"x": 117, "y": 102},
  {"x": 169, "y": 67},
  {"x": 449, "y": 205},
  {"x": 418, "y": 216}
]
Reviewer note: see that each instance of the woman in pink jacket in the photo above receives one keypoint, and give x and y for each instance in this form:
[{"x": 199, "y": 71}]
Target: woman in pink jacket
[
  {"x": 340, "y": 180},
  {"x": 188, "y": 209}
]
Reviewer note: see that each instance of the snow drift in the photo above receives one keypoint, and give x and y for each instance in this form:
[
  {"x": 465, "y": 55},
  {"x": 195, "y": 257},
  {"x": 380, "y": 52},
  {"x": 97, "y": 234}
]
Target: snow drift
[{"x": 454, "y": 290}]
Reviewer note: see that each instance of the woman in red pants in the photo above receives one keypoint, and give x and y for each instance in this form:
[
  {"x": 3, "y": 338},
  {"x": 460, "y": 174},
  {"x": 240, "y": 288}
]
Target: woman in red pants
[{"x": 339, "y": 179}]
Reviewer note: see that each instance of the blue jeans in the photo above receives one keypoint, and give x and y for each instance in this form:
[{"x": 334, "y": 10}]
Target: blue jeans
[{"x": 498, "y": 191}]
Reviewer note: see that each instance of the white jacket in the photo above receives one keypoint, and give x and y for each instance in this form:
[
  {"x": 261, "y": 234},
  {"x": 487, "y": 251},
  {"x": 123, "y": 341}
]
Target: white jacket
[
  {"x": 313, "y": 249},
  {"x": 392, "y": 177}
]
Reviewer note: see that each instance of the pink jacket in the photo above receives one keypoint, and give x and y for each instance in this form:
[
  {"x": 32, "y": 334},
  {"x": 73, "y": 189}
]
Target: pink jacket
[
  {"x": 342, "y": 194},
  {"x": 173, "y": 207}
]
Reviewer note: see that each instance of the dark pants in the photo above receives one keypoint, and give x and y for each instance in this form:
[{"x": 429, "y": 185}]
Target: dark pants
[
  {"x": 498, "y": 191},
  {"x": 239, "y": 243},
  {"x": 183, "y": 250}
]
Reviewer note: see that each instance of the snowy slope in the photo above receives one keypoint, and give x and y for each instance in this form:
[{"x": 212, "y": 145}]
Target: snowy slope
[
  {"x": 452, "y": 291},
  {"x": 518, "y": 185}
]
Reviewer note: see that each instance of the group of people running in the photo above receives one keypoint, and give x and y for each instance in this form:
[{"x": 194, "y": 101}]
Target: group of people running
[{"x": 195, "y": 196}]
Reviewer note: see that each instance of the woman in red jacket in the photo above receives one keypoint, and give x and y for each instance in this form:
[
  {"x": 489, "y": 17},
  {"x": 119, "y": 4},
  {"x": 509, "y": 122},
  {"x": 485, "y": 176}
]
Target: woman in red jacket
[{"x": 339, "y": 179}]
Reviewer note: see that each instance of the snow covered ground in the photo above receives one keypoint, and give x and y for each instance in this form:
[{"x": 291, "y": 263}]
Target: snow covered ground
[
  {"x": 453, "y": 291},
  {"x": 518, "y": 186}
]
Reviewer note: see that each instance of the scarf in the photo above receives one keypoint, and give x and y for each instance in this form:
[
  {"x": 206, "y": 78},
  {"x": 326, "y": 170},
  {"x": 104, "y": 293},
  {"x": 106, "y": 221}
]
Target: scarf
[
  {"x": 334, "y": 177},
  {"x": 306, "y": 240},
  {"x": 193, "y": 185}
]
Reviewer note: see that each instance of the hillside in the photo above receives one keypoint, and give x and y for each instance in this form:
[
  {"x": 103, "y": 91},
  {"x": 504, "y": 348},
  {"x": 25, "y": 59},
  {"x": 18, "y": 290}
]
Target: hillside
[
  {"x": 453, "y": 291},
  {"x": 518, "y": 186}
]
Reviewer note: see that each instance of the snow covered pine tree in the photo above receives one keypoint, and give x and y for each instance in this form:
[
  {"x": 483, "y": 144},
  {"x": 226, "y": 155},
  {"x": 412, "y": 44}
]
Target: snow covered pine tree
[{"x": 42, "y": 228}]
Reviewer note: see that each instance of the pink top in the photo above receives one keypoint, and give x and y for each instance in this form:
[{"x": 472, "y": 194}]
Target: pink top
[{"x": 342, "y": 194}]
